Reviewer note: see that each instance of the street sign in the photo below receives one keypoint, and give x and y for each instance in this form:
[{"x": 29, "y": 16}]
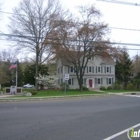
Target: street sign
[{"x": 66, "y": 76}]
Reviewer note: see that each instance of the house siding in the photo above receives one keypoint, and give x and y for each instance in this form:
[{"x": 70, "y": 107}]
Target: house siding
[{"x": 99, "y": 73}]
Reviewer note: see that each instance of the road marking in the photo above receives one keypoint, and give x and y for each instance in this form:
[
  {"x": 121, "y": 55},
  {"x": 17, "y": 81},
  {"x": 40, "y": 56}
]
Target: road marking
[{"x": 121, "y": 132}]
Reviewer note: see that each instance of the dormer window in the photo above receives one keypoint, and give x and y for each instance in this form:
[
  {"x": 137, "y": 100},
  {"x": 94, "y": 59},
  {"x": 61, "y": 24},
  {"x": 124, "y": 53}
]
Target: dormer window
[{"x": 71, "y": 69}]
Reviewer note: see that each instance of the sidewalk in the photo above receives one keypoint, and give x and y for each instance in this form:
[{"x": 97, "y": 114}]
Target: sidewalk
[{"x": 5, "y": 96}]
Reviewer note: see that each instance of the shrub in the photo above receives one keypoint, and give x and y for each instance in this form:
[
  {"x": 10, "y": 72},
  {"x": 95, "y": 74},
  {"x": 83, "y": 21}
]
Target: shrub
[
  {"x": 85, "y": 88},
  {"x": 62, "y": 86},
  {"x": 117, "y": 86},
  {"x": 33, "y": 92},
  {"x": 130, "y": 87},
  {"x": 102, "y": 88},
  {"x": 109, "y": 88}
]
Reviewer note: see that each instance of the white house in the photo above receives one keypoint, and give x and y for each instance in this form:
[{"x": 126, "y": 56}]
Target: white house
[{"x": 99, "y": 72}]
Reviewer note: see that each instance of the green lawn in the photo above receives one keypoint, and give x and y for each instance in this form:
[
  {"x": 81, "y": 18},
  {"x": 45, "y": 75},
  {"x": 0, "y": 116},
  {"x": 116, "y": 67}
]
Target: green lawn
[{"x": 47, "y": 93}]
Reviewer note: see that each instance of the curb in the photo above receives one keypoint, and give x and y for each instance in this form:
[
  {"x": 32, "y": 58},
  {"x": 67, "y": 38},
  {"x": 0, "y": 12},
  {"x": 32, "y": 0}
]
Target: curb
[{"x": 49, "y": 98}]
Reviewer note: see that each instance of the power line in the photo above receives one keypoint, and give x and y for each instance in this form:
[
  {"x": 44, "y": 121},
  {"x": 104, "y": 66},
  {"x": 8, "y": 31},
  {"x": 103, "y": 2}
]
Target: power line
[
  {"x": 121, "y": 2},
  {"x": 119, "y": 28},
  {"x": 113, "y": 43},
  {"x": 124, "y": 29}
]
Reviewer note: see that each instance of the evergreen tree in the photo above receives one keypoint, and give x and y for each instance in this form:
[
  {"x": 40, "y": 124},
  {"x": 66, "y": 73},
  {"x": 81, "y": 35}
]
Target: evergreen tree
[
  {"x": 29, "y": 73},
  {"x": 123, "y": 68},
  {"x": 137, "y": 80}
]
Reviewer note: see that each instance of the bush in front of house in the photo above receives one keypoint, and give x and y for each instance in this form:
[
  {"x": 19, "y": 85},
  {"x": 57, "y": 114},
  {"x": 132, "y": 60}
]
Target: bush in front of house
[
  {"x": 33, "y": 92},
  {"x": 109, "y": 88},
  {"x": 102, "y": 88},
  {"x": 85, "y": 88}
]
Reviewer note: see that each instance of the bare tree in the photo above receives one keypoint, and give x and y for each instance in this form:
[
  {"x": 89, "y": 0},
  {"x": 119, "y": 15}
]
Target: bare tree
[
  {"x": 7, "y": 55},
  {"x": 31, "y": 23},
  {"x": 80, "y": 39}
]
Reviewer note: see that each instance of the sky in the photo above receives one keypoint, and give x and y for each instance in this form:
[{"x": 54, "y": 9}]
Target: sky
[{"x": 115, "y": 15}]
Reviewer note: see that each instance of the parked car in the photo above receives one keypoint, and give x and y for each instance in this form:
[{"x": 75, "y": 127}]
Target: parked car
[{"x": 28, "y": 86}]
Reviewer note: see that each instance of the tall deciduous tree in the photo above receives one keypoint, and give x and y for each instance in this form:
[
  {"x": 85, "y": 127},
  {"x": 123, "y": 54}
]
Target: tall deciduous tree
[
  {"x": 31, "y": 23},
  {"x": 124, "y": 68},
  {"x": 81, "y": 38}
]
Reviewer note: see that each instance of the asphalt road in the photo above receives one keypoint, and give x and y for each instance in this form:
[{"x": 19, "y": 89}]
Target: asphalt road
[{"x": 94, "y": 118}]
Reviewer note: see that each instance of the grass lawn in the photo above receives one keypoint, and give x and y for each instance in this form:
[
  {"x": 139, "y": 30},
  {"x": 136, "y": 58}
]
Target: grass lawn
[{"x": 47, "y": 93}]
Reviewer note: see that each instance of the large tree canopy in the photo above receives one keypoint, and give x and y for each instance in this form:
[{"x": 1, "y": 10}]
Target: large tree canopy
[
  {"x": 31, "y": 23},
  {"x": 81, "y": 38}
]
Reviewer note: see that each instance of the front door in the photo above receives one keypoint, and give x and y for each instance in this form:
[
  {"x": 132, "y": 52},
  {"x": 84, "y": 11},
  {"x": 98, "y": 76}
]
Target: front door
[{"x": 90, "y": 82}]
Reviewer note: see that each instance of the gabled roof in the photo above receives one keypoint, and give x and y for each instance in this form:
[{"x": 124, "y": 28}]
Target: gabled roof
[
  {"x": 107, "y": 61},
  {"x": 67, "y": 58},
  {"x": 75, "y": 55}
]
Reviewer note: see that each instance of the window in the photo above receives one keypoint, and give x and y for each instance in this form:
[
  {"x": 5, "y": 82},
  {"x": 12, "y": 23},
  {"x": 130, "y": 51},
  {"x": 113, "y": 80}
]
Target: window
[
  {"x": 99, "y": 69},
  {"x": 107, "y": 69},
  {"x": 109, "y": 81},
  {"x": 91, "y": 58},
  {"x": 71, "y": 69},
  {"x": 99, "y": 81},
  {"x": 90, "y": 69},
  {"x": 71, "y": 81}
]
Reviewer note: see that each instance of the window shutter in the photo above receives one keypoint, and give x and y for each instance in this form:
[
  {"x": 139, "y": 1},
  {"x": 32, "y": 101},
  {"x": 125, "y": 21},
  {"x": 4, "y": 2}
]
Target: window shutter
[
  {"x": 107, "y": 81},
  {"x": 62, "y": 69},
  {"x": 84, "y": 81},
  {"x": 95, "y": 80},
  {"x": 96, "y": 69},
  {"x": 101, "y": 69},
  {"x": 72, "y": 81},
  {"x": 87, "y": 69},
  {"x": 105, "y": 69},
  {"x": 110, "y": 69},
  {"x": 92, "y": 69},
  {"x": 101, "y": 81},
  {"x": 112, "y": 80}
]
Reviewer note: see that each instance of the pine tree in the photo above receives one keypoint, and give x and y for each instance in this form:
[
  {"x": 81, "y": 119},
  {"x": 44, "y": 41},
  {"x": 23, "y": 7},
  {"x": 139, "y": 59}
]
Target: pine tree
[{"x": 123, "y": 69}]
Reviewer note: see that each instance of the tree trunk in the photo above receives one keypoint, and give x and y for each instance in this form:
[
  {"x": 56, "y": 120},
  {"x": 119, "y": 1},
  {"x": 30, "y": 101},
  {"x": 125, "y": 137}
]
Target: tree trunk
[
  {"x": 41, "y": 87},
  {"x": 80, "y": 82}
]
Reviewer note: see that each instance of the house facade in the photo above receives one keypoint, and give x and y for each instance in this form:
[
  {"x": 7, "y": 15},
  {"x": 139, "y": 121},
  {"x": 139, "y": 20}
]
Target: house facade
[{"x": 99, "y": 72}]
